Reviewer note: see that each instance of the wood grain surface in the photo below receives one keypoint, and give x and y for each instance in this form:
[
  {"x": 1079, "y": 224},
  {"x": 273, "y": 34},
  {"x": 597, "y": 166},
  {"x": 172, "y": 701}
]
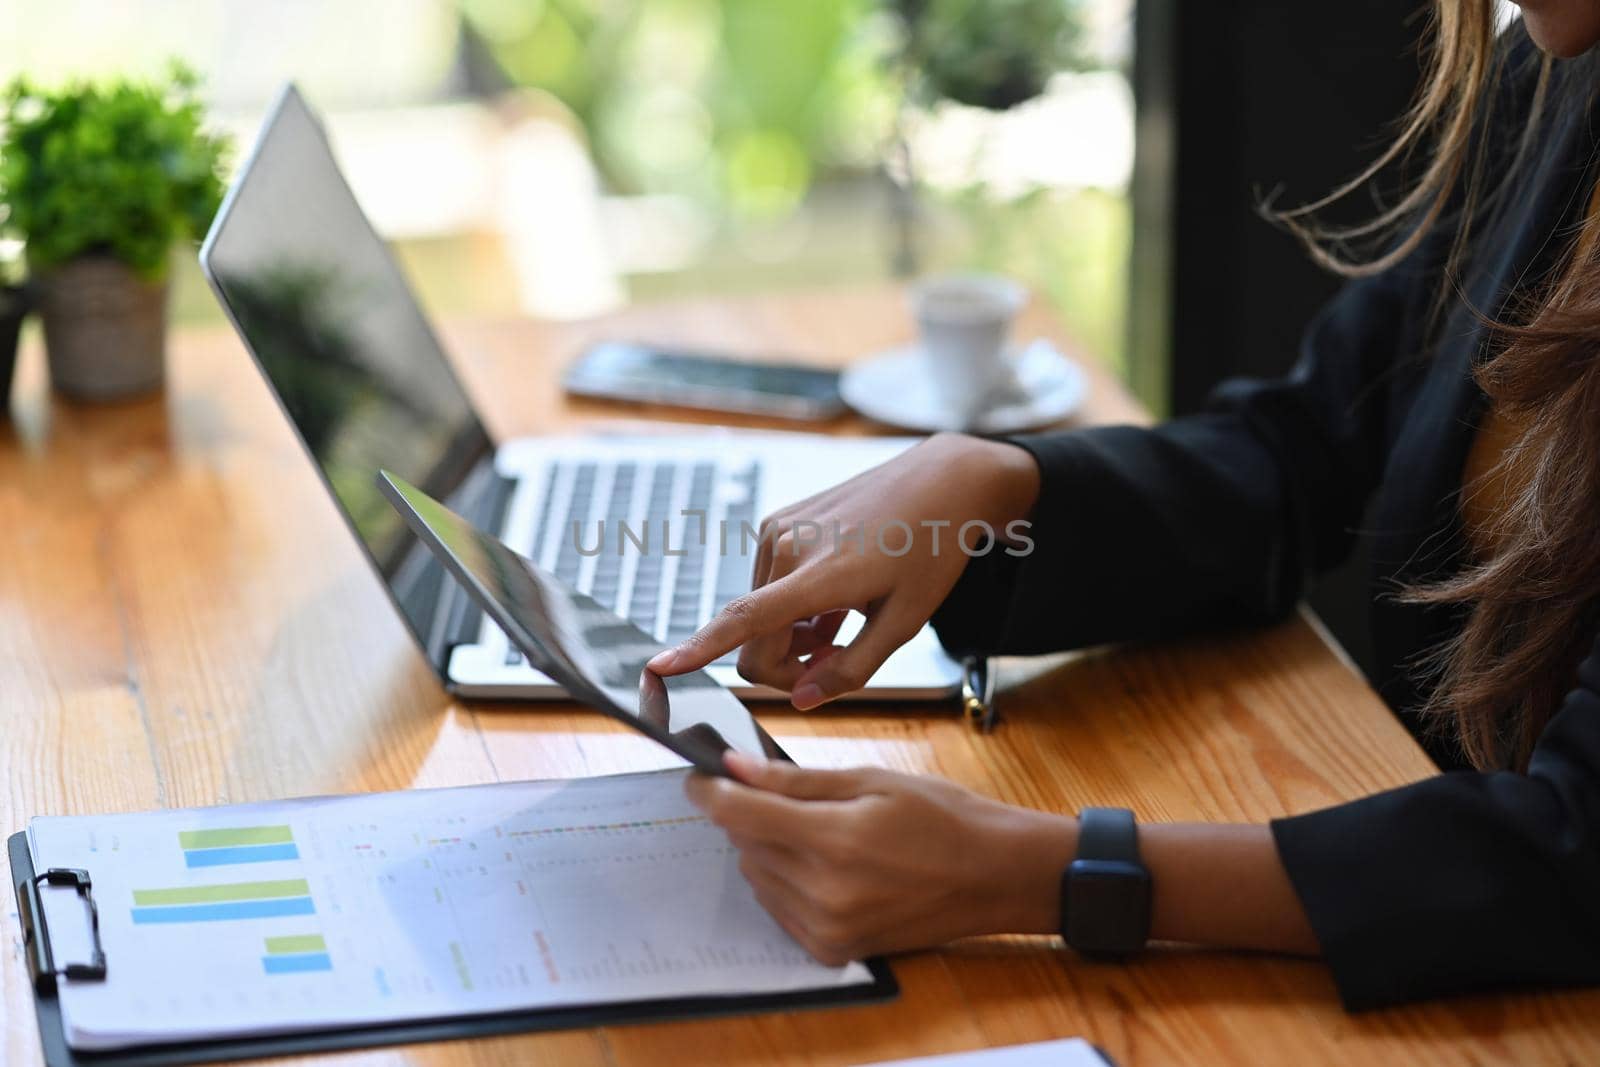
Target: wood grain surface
[{"x": 184, "y": 620}]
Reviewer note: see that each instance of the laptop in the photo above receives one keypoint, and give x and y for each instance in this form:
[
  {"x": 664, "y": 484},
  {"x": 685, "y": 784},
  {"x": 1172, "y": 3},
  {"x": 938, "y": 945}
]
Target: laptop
[{"x": 658, "y": 529}]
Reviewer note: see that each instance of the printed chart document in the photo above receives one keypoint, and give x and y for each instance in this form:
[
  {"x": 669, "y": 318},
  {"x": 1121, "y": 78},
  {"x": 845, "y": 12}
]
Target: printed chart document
[{"x": 346, "y": 911}]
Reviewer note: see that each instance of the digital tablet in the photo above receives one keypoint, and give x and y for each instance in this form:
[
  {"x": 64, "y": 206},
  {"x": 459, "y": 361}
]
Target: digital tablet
[{"x": 597, "y": 656}]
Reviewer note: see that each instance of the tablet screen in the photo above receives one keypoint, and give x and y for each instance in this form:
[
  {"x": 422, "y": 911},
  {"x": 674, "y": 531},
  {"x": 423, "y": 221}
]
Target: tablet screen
[{"x": 597, "y": 656}]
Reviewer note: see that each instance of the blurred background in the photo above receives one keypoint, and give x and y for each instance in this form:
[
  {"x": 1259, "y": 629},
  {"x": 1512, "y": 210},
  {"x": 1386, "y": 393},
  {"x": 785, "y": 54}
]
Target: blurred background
[{"x": 562, "y": 157}]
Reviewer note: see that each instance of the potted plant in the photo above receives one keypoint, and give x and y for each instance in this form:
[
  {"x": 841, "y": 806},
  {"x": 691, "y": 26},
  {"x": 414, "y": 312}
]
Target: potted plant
[
  {"x": 100, "y": 180},
  {"x": 989, "y": 54}
]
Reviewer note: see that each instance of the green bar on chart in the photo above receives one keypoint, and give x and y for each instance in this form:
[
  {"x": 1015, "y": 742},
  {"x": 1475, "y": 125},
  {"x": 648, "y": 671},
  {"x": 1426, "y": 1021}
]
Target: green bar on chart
[
  {"x": 229, "y": 837},
  {"x": 212, "y": 894},
  {"x": 278, "y": 946}
]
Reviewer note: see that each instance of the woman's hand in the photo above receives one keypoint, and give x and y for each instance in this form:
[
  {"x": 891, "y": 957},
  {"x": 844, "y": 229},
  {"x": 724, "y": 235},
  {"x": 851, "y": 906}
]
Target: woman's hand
[
  {"x": 886, "y": 543},
  {"x": 861, "y": 862}
]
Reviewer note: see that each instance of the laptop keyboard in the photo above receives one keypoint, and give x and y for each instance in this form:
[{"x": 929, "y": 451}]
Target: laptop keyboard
[{"x": 635, "y": 551}]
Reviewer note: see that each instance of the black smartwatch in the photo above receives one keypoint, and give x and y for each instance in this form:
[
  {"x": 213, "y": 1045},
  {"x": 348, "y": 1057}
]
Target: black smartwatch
[{"x": 1105, "y": 892}]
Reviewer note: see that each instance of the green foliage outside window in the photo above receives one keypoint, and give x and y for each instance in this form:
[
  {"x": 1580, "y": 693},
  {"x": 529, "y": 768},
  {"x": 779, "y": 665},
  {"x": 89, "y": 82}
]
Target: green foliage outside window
[
  {"x": 744, "y": 103},
  {"x": 123, "y": 169},
  {"x": 747, "y": 106}
]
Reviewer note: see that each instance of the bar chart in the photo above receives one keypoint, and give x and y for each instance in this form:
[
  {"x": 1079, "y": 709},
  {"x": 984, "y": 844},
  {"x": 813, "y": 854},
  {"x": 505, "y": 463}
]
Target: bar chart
[{"x": 229, "y": 902}]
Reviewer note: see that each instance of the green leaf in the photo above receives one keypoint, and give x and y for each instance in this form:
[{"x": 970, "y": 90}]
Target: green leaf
[{"x": 118, "y": 167}]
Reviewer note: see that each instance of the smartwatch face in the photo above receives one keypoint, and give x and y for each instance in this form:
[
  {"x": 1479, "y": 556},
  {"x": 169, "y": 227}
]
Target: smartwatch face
[{"x": 1109, "y": 906}]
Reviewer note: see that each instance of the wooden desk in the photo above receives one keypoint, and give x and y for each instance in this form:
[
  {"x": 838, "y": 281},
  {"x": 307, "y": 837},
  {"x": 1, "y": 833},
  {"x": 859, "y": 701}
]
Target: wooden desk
[{"x": 184, "y": 620}]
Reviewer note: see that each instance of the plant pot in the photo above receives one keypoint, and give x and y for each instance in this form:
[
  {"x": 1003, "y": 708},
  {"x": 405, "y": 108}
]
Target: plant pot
[
  {"x": 105, "y": 329},
  {"x": 13, "y": 309}
]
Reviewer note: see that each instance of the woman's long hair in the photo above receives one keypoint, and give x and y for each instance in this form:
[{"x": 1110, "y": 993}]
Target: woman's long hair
[{"x": 1530, "y": 603}]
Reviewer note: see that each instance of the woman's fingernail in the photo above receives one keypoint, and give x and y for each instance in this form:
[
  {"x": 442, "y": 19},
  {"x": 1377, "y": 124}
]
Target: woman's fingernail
[
  {"x": 663, "y": 660},
  {"x": 807, "y": 696}
]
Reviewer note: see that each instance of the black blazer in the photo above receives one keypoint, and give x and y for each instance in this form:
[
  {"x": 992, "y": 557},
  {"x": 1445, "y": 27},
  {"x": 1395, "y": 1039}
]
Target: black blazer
[{"x": 1464, "y": 881}]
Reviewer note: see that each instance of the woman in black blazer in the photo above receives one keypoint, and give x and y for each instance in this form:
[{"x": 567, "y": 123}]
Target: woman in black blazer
[{"x": 1454, "y": 384}]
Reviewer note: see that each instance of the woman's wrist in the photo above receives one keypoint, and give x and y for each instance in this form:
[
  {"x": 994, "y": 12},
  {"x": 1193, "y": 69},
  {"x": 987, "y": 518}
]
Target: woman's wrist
[
  {"x": 1030, "y": 851},
  {"x": 1214, "y": 884},
  {"x": 1222, "y": 884},
  {"x": 1005, "y": 476}
]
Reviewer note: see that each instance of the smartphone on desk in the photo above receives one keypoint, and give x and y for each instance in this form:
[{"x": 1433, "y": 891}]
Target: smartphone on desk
[{"x": 647, "y": 374}]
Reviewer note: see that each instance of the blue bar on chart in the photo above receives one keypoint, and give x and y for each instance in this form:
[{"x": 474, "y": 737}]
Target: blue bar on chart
[
  {"x": 218, "y": 857},
  {"x": 310, "y": 961},
  {"x": 226, "y": 846}
]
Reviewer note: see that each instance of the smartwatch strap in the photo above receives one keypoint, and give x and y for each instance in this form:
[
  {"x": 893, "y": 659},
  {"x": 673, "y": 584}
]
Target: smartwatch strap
[{"x": 1107, "y": 834}]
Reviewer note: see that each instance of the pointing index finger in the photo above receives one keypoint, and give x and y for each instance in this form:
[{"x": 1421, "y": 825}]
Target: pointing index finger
[{"x": 756, "y": 613}]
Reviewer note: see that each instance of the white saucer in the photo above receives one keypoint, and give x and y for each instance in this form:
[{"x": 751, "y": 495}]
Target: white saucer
[{"x": 894, "y": 388}]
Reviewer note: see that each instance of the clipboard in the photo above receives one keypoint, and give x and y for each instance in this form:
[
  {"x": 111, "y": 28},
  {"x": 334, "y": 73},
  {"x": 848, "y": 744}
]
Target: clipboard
[{"x": 46, "y": 973}]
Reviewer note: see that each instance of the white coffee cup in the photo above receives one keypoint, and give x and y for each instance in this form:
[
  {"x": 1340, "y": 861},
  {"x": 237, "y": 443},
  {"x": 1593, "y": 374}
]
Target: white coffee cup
[{"x": 964, "y": 320}]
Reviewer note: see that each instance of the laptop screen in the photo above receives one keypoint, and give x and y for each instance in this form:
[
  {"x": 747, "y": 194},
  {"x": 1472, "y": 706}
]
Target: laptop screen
[{"x": 336, "y": 329}]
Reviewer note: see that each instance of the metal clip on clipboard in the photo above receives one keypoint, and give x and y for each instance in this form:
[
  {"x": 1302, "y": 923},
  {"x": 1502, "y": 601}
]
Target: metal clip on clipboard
[{"x": 42, "y": 967}]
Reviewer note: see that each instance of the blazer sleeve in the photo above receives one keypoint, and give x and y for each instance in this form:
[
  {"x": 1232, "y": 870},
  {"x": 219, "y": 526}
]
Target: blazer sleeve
[
  {"x": 1221, "y": 518},
  {"x": 1463, "y": 882},
  {"x": 1205, "y": 521}
]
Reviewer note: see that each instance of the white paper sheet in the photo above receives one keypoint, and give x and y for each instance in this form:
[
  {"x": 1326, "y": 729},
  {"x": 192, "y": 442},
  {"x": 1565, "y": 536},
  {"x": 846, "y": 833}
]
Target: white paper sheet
[
  {"x": 1067, "y": 1052},
  {"x": 341, "y": 911}
]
